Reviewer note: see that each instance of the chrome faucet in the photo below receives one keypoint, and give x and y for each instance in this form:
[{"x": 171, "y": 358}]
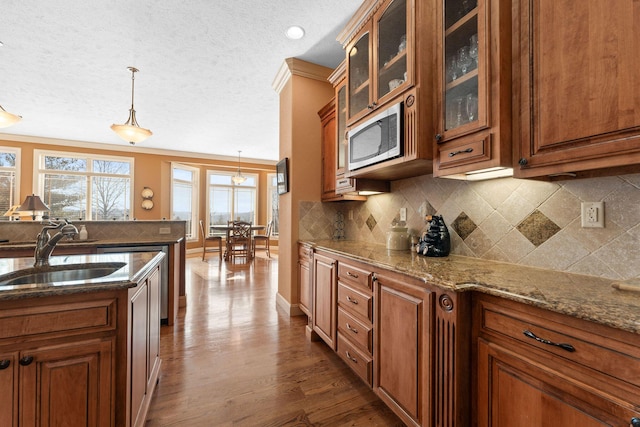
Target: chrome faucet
[{"x": 45, "y": 244}]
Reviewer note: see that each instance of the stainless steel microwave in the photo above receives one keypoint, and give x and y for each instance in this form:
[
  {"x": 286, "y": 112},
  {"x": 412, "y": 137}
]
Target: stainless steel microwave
[{"x": 377, "y": 139}]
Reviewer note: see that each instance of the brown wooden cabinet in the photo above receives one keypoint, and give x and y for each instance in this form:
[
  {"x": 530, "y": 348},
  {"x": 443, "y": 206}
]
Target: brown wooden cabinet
[
  {"x": 473, "y": 96},
  {"x": 383, "y": 69},
  {"x": 324, "y": 297},
  {"x": 402, "y": 348},
  {"x": 540, "y": 368},
  {"x": 305, "y": 254},
  {"x": 355, "y": 319},
  {"x": 576, "y": 76},
  {"x": 81, "y": 359},
  {"x": 144, "y": 332}
]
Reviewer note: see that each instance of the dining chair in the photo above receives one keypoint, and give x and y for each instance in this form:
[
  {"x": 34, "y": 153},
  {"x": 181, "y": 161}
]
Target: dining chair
[
  {"x": 240, "y": 242},
  {"x": 209, "y": 239},
  {"x": 263, "y": 240}
]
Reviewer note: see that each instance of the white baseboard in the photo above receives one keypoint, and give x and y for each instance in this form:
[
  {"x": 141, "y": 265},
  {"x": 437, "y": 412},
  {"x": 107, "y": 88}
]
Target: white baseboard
[{"x": 288, "y": 308}]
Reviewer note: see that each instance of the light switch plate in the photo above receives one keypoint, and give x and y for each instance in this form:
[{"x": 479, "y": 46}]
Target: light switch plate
[
  {"x": 403, "y": 214},
  {"x": 592, "y": 215}
]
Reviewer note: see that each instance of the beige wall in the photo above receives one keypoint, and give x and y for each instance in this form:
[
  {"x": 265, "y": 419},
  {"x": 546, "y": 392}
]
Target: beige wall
[
  {"x": 303, "y": 90},
  {"x": 152, "y": 169}
]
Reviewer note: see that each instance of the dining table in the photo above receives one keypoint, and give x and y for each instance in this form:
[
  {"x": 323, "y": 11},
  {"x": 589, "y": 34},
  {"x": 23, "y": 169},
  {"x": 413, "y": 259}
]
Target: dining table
[{"x": 226, "y": 228}]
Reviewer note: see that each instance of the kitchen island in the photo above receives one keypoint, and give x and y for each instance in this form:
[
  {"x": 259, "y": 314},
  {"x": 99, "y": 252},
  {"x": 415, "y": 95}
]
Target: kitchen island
[
  {"x": 463, "y": 341},
  {"x": 84, "y": 352}
]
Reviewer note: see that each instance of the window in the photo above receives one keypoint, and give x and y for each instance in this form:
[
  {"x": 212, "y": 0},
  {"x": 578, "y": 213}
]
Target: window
[
  {"x": 83, "y": 186},
  {"x": 184, "y": 197},
  {"x": 272, "y": 203},
  {"x": 228, "y": 201},
  {"x": 9, "y": 161}
]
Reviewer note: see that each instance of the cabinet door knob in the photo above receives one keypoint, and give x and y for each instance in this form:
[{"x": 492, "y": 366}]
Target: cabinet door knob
[
  {"x": 635, "y": 422},
  {"x": 438, "y": 138},
  {"x": 4, "y": 364},
  {"x": 523, "y": 161},
  {"x": 26, "y": 360}
]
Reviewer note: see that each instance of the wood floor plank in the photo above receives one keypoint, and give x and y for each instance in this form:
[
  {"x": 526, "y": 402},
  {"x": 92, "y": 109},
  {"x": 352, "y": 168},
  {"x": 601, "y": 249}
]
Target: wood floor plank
[{"x": 232, "y": 359}]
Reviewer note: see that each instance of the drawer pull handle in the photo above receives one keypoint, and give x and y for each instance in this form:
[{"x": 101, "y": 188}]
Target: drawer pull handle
[
  {"x": 353, "y": 359},
  {"x": 567, "y": 347},
  {"x": 351, "y": 300},
  {"x": 350, "y": 274},
  {"x": 455, "y": 153},
  {"x": 4, "y": 364},
  {"x": 352, "y": 329},
  {"x": 635, "y": 422},
  {"x": 26, "y": 360}
]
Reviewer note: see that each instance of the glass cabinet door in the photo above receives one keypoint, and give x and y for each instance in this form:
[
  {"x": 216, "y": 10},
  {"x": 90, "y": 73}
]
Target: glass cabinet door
[
  {"x": 358, "y": 75},
  {"x": 341, "y": 140},
  {"x": 461, "y": 65},
  {"x": 391, "y": 67}
]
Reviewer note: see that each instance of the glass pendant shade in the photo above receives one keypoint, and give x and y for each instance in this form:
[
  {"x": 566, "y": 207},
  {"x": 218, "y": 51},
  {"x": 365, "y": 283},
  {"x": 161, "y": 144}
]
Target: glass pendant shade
[
  {"x": 131, "y": 130},
  {"x": 7, "y": 119},
  {"x": 238, "y": 178}
]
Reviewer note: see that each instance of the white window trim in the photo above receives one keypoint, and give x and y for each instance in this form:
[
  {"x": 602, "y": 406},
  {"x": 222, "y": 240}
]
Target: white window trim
[
  {"x": 18, "y": 152},
  {"x": 195, "y": 232},
  {"x": 38, "y": 169},
  {"x": 229, "y": 173}
]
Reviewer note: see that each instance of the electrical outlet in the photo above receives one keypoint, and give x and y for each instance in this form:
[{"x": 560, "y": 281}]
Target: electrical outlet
[
  {"x": 592, "y": 215},
  {"x": 403, "y": 214},
  {"x": 350, "y": 214},
  {"x": 165, "y": 230}
]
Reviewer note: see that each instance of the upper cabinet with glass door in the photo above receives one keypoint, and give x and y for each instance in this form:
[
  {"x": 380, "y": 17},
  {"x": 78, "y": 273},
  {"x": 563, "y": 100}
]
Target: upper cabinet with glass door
[
  {"x": 378, "y": 59},
  {"x": 473, "y": 100}
]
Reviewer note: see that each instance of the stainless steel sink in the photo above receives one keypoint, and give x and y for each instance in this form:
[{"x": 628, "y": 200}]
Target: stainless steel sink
[{"x": 60, "y": 273}]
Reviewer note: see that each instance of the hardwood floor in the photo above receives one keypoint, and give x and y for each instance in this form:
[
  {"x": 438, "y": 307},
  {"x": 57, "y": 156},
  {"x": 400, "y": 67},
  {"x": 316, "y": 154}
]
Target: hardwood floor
[{"x": 233, "y": 359}]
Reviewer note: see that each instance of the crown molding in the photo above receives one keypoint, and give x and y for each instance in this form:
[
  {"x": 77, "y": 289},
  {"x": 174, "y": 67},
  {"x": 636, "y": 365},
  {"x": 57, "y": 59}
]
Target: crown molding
[{"x": 298, "y": 67}]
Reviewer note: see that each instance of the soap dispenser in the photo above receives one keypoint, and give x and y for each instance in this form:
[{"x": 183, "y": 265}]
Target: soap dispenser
[{"x": 83, "y": 234}]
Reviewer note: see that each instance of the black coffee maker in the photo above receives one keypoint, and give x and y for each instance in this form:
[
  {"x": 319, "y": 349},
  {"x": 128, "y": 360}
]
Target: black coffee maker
[{"x": 435, "y": 242}]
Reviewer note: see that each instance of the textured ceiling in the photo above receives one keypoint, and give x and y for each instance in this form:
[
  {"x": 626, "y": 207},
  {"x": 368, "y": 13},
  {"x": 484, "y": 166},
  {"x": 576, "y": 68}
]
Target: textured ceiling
[{"x": 206, "y": 68}]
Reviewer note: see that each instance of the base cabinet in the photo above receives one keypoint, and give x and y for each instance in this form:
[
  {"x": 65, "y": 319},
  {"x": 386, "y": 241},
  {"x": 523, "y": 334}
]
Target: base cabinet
[
  {"x": 305, "y": 254},
  {"x": 402, "y": 349},
  {"x": 324, "y": 298},
  {"x": 537, "y": 368}
]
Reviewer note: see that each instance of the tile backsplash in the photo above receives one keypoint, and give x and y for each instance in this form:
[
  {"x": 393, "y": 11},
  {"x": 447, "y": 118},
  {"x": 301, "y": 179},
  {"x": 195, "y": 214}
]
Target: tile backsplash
[{"x": 520, "y": 221}]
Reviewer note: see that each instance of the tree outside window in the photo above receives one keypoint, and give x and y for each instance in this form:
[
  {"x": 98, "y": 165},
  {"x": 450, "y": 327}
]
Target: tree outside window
[{"x": 87, "y": 187}]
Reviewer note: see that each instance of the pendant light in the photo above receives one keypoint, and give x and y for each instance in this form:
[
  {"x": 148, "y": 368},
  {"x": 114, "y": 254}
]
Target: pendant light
[
  {"x": 238, "y": 178},
  {"x": 7, "y": 119},
  {"x": 131, "y": 130}
]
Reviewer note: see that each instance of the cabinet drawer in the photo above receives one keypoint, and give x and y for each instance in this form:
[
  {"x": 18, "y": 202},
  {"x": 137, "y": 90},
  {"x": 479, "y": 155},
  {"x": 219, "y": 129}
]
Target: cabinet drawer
[
  {"x": 304, "y": 252},
  {"x": 354, "y": 275},
  {"x": 475, "y": 151},
  {"x": 355, "y": 302},
  {"x": 355, "y": 330},
  {"x": 593, "y": 352},
  {"x": 68, "y": 318},
  {"x": 356, "y": 359}
]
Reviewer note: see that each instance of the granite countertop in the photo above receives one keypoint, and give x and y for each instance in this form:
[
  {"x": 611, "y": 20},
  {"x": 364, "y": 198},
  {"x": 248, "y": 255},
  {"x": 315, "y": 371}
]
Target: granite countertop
[
  {"x": 9, "y": 246},
  {"x": 137, "y": 266},
  {"x": 585, "y": 297}
]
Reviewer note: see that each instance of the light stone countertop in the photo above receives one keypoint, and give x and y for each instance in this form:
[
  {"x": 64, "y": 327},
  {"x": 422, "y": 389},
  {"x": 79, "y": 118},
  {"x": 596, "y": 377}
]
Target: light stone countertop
[{"x": 585, "y": 297}]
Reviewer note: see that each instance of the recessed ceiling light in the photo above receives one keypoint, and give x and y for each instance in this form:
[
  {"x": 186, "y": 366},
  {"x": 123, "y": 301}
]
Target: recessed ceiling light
[{"x": 295, "y": 32}]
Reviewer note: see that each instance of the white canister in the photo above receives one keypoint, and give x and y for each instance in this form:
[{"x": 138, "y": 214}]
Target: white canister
[
  {"x": 398, "y": 239},
  {"x": 83, "y": 234}
]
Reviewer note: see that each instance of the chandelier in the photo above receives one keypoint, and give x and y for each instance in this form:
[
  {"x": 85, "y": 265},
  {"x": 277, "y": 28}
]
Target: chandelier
[{"x": 238, "y": 178}]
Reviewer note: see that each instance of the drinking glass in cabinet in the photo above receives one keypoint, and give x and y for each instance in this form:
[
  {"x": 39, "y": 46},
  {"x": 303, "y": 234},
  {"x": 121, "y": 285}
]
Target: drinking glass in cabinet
[
  {"x": 472, "y": 107},
  {"x": 473, "y": 49},
  {"x": 464, "y": 59},
  {"x": 452, "y": 69},
  {"x": 457, "y": 102}
]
